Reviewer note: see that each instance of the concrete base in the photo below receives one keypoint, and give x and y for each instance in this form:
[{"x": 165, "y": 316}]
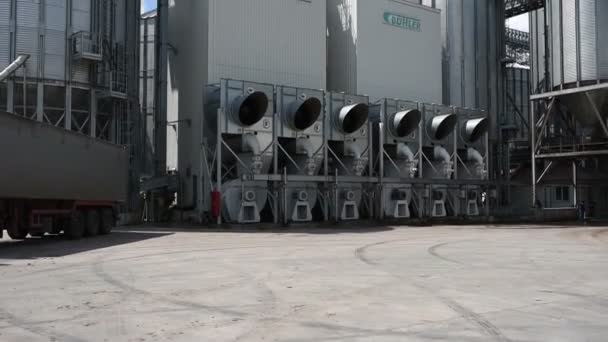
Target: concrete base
[{"x": 350, "y": 283}]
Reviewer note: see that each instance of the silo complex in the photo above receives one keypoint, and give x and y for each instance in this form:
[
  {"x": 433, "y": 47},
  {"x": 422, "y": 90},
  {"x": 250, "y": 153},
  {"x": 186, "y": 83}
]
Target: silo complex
[{"x": 80, "y": 64}]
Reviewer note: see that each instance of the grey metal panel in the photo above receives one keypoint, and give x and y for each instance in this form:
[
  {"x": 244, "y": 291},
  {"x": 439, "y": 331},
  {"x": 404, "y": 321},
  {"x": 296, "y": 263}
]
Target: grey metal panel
[
  {"x": 588, "y": 43},
  {"x": 55, "y": 15},
  {"x": 570, "y": 42},
  {"x": 80, "y": 72},
  {"x": 27, "y": 43},
  {"x": 4, "y": 34},
  {"x": 273, "y": 41},
  {"x": 406, "y": 62},
  {"x": 556, "y": 50},
  {"x": 27, "y": 13},
  {"x": 81, "y": 15},
  {"x": 52, "y": 163},
  {"x": 4, "y": 46},
  {"x": 602, "y": 39},
  {"x": 54, "y": 45}
]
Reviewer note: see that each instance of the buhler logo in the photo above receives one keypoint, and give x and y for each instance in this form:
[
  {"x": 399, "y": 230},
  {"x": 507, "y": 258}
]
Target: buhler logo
[{"x": 402, "y": 21}]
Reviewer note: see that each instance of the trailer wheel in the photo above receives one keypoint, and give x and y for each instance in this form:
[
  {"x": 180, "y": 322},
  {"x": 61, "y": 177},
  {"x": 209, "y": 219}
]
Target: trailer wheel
[
  {"x": 75, "y": 229},
  {"x": 14, "y": 231},
  {"x": 107, "y": 221},
  {"x": 92, "y": 223}
]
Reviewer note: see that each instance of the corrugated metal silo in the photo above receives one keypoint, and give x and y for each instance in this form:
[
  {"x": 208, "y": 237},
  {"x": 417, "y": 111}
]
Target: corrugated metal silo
[
  {"x": 473, "y": 49},
  {"x": 81, "y": 71}
]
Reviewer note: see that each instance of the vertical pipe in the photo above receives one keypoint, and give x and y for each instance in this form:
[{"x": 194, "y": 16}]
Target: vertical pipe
[
  {"x": 24, "y": 90},
  {"x": 380, "y": 142},
  {"x": 218, "y": 158},
  {"x": 160, "y": 89},
  {"x": 574, "y": 182},
  {"x": 533, "y": 150},
  {"x": 67, "y": 121},
  {"x": 93, "y": 111},
  {"x": 326, "y": 127}
]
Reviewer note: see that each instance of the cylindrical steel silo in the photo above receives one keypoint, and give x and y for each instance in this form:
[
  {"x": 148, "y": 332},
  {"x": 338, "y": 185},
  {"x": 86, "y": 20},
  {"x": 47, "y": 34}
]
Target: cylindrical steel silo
[
  {"x": 81, "y": 71},
  {"x": 473, "y": 49},
  {"x": 570, "y": 49}
]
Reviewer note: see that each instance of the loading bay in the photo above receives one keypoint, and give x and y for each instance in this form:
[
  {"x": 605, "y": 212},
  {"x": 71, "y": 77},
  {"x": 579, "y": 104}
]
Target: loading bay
[{"x": 444, "y": 283}]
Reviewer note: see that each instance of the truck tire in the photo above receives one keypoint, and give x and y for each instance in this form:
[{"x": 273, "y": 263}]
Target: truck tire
[
  {"x": 16, "y": 233},
  {"x": 107, "y": 222},
  {"x": 75, "y": 228},
  {"x": 92, "y": 223}
]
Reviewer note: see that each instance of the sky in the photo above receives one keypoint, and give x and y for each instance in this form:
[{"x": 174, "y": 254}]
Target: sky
[
  {"x": 518, "y": 23},
  {"x": 147, "y": 5}
]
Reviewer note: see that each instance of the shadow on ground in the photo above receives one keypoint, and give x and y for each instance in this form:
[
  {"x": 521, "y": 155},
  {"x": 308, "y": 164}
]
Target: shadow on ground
[
  {"x": 313, "y": 229},
  {"x": 58, "y": 246}
]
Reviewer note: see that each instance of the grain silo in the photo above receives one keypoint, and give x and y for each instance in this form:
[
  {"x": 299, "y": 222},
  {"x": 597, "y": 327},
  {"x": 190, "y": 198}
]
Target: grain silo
[{"x": 74, "y": 64}]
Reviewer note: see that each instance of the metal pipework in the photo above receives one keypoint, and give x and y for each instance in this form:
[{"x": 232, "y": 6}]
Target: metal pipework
[
  {"x": 302, "y": 114},
  {"x": 247, "y": 110},
  {"x": 474, "y": 129},
  {"x": 404, "y": 123},
  {"x": 351, "y": 118},
  {"x": 439, "y": 127}
]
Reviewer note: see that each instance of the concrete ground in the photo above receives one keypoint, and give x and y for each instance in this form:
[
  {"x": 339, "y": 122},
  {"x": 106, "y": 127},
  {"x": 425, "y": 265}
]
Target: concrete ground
[{"x": 387, "y": 284}]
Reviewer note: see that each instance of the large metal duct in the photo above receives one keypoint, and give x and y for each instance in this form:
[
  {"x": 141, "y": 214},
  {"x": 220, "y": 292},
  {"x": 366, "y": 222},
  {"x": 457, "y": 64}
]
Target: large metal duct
[
  {"x": 352, "y": 117},
  {"x": 441, "y": 126},
  {"x": 405, "y": 123},
  {"x": 474, "y": 129},
  {"x": 303, "y": 113},
  {"x": 247, "y": 110}
]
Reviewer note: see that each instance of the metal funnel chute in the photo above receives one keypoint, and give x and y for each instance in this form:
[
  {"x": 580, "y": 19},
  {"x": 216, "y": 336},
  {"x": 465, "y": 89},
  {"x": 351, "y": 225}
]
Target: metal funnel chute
[
  {"x": 583, "y": 106},
  {"x": 474, "y": 129},
  {"x": 247, "y": 110},
  {"x": 353, "y": 117},
  {"x": 303, "y": 114},
  {"x": 442, "y": 125},
  {"x": 405, "y": 122}
]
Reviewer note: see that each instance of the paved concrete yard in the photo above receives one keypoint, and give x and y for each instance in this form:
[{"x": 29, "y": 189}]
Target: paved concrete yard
[{"x": 389, "y": 284}]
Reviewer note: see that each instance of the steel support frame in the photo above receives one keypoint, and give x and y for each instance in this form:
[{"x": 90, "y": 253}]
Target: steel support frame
[{"x": 536, "y": 137}]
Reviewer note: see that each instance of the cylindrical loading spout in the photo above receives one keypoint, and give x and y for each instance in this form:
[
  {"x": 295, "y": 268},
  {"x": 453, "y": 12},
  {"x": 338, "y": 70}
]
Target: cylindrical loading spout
[
  {"x": 441, "y": 126},
  {"x": 353, "y": 117},
  {"x": 405, "y": 122},
  {"x": 247, "y": 110},
  {"x": 475, "y": 129},
  {"x": 304, "y": 113}
]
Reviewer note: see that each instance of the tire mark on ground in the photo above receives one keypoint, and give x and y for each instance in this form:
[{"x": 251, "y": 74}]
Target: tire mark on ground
[
  {"x": 27, "y": 326},
  {"x": 105, "y": 276},
  {"x": 361, "y": 252},
  {"x": 433, "y": 250},
  {"x": 485, "y": 326}
]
